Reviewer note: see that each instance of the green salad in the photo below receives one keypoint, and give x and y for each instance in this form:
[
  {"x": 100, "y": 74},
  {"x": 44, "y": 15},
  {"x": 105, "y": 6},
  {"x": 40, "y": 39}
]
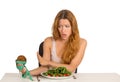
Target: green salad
[{"x": 57, "y": 72}]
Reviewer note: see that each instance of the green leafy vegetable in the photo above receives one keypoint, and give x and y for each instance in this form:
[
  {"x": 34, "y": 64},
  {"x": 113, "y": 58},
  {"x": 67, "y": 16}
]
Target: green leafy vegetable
[{"x": 57, "y": 72}]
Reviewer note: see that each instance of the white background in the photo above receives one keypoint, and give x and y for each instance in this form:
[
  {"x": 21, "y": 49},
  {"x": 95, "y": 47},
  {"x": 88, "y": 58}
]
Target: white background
[{"x": 26, "y": 23}]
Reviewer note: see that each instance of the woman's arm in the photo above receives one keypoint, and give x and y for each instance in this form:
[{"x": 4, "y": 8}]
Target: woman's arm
[
  {"x": 46, "y": 51},
  {"x": 38, "y": 70},
  {"x": 74, "y": 63},
  {"x": 46, "y": 56}
]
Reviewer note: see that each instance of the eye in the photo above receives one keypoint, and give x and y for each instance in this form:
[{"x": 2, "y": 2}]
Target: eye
[
  {"x": 60, "y": 26},
  {"x": 67, "y": 26}
]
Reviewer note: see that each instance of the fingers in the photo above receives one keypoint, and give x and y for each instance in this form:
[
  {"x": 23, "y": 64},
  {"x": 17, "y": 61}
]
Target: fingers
[
  {"x": 37, "y": 53},
  {"x": 38, "y": 56}
]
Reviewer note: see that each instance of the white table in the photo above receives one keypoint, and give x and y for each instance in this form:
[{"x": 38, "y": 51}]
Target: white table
[{"x": 81, "y": 77}]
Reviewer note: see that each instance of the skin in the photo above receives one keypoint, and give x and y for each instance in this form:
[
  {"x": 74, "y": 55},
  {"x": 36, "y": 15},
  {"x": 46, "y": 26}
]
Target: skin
[{"x": 65, "y": 32}]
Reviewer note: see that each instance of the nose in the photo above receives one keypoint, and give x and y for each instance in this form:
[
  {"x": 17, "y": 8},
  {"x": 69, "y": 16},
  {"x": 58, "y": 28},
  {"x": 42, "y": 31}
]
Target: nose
[{"x": 63, "y": 29}]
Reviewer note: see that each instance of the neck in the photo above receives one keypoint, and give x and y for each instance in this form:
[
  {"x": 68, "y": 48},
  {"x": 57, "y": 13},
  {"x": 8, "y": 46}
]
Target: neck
[{"x": 63, "y": 40}]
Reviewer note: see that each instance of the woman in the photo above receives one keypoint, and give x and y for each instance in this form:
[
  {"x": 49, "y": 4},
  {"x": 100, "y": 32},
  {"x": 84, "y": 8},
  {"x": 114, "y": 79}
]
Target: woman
[{"x": 65, "y": 48}]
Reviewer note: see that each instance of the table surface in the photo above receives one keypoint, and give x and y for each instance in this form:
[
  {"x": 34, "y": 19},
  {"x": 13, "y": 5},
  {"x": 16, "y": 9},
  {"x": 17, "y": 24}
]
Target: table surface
[{"x": 81, "y": 77}]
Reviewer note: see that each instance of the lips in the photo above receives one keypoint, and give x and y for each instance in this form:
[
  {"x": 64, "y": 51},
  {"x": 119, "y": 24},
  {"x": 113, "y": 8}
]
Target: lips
[{"x": 63, "y": 35}]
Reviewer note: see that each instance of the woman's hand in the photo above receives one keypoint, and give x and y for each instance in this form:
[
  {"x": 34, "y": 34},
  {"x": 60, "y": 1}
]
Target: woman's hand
[{"x": 42, "y": 60}]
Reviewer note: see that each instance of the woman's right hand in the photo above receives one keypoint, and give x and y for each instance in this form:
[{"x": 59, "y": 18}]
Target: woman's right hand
[{"x": 41, "y": 60}]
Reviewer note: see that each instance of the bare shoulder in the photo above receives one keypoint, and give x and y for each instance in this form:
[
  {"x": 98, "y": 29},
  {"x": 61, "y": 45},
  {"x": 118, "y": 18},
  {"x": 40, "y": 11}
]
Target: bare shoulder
[
  {"x": 48, "y": 41},
  {"x": 83, "y": 41}
]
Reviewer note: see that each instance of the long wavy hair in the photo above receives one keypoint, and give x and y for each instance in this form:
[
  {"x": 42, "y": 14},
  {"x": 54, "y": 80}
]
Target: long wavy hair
[{"x": 72, "y": 45}]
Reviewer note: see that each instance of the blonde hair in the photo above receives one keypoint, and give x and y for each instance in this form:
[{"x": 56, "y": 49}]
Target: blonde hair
[{"x": 72, "y": 45}]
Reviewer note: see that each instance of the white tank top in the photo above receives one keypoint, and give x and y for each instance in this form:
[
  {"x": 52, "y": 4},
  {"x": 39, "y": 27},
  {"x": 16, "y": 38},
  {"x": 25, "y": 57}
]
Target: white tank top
[{"x": 54, "y": 56}]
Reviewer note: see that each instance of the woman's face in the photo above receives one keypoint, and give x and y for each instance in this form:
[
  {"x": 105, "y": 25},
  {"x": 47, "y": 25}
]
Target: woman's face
[{"x": 64, "y": 29}]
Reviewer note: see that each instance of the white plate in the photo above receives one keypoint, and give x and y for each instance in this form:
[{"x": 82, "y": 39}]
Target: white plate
[{"x": 65, "y": 77}]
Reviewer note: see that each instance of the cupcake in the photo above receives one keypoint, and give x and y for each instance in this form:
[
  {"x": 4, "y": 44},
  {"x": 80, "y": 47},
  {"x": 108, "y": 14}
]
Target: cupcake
[{"x": 21, "y": 58}]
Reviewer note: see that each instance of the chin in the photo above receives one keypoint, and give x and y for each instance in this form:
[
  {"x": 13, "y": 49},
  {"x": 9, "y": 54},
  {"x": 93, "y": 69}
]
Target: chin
[{"x": 64, "y": 38}]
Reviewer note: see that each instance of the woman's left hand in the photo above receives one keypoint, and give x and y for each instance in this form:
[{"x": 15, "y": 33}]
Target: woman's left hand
[{"x": 42, "y": 60}]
